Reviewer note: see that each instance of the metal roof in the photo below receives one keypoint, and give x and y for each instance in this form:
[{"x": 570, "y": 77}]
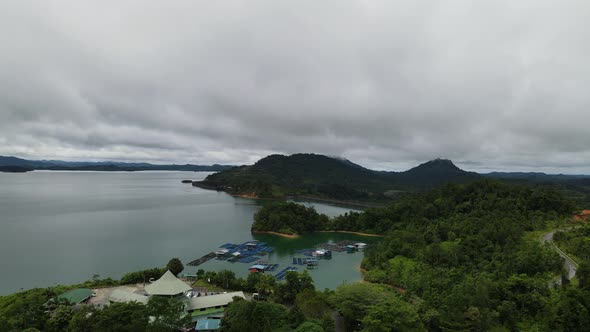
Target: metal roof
[
  {"x": 210, "y": 301},
  {"x": 119, "y": 295},
  {"x": 76, "y": 295},
  {"x": 168, "y": 284}
]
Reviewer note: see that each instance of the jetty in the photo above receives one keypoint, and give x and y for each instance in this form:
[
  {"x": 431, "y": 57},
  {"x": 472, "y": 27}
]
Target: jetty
[
  {"x": 203, "y": 259},
  {"x": 281, "y": 275}
]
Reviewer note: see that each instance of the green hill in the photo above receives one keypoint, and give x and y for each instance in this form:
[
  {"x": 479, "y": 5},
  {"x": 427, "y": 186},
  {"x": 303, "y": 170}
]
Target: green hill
[{"x": 331, "y": 178}]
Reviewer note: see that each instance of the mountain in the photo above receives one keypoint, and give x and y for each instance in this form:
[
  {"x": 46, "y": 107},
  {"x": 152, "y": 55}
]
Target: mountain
[
  {"x": 100, "y": 166},
  {"x": 321, "y": 176},
  {"x": 435, "y": 172}
]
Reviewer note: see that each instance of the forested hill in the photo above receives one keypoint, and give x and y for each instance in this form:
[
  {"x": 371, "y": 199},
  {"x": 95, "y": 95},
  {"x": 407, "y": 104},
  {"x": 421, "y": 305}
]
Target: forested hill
[{"x": 327, "y": 177}]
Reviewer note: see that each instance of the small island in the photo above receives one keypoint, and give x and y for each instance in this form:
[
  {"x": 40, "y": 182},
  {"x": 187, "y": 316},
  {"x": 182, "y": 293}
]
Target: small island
[
  {"x": 291, "y": 220},
  {"x": 15, "y": 169}
]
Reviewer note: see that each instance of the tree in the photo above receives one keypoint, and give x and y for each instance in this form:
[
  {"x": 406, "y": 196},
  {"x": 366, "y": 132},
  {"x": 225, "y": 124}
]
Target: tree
[
  {"x": 244, "y": 316},
  {"x": 295, "y": 284},
  {"x": 583, "y": 274},
  {"x": 175, "y": 266},
  {"x": 265, "y": 284},
  {"x": 168, "y": 313},
  {"x": 353, "y": 301},
  {"x": 309, "y": 327},
  {"x": 60, "y": 319},
  {"x": 119, "y": 317},
  {"x": 392, "y": 315}
]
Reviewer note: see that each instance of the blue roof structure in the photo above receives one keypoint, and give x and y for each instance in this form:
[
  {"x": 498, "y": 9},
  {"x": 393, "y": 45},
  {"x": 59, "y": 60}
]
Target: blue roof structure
[{"x": 207, "y": 324}]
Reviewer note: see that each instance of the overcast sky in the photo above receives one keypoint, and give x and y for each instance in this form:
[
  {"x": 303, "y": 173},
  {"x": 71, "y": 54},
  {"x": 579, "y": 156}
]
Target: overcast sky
[{"x": 500, "y": 84}]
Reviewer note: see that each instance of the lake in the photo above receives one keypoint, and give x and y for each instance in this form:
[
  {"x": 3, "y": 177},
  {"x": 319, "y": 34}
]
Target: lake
[{"x": 63, "y": 227}]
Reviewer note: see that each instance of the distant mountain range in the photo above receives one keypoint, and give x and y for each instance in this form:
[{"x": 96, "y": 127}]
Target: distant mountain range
[
  {"x": 14, "y": 164},
  {"x": 319, "y": 176}
]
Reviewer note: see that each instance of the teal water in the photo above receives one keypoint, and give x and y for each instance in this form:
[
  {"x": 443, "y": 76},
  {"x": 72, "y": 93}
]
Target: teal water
[{"x": 63, "y": 227}]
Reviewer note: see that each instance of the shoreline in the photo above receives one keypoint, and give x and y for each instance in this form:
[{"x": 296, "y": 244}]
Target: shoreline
[
  {"x": 352, "y": 232},
  {"x": 289, "y": 236},
  {"x": 335, "y": 201}
]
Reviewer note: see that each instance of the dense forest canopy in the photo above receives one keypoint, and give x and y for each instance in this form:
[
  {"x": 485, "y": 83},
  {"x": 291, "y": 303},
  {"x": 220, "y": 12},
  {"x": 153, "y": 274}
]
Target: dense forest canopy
[{"x": 465, "y": 257}]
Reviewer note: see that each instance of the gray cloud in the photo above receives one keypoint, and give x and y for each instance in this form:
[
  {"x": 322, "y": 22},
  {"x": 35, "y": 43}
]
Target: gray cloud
[{"x": 502, "y": 84}]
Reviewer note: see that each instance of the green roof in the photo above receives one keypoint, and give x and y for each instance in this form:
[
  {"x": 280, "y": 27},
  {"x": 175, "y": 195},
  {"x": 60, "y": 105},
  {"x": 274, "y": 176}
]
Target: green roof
[
  {"x": 207, "y": 324},
  {"x": 76, "y": 296}
]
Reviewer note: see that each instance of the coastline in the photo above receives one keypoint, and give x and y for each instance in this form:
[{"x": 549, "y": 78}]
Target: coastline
[
  {"x": 351, "y": 232},
  {"x": 335, "y": 201},
  {"x": 289, "y": 236}
]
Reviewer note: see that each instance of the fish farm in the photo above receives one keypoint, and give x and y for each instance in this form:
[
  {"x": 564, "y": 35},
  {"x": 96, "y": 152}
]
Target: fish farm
[
  {"x": 253, "y": 252},
  {"x": 246, "y": 252}
]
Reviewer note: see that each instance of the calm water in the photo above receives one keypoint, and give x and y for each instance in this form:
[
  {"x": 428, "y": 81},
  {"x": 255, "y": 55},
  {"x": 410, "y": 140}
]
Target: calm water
[{"x": 63, "y": 227}]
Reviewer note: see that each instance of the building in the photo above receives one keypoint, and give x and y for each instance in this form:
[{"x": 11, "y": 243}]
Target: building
[
  {"x": 75, "y": 296},
  {"x": 207, "y": 325},
  {"x": 257, "y": 268},
  {"x": 167, "y": 285},
  {"x": 206, "y": 303},
  {"x": 360, "y": 246},
  {"x": 121, "y": 296}
]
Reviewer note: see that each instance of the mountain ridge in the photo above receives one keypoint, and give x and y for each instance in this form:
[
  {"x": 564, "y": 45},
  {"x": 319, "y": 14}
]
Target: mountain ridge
[
  {"x": 305, "y": 174},
  {"x": 9, "y": 162}
]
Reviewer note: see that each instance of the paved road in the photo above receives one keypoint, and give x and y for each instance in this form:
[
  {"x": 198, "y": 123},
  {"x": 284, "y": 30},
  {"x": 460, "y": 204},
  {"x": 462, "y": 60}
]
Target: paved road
[{"x": 570, "y": 265}]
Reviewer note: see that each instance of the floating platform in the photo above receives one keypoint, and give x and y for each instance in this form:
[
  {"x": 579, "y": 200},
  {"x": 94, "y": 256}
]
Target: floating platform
[
  {"x": 246, "y": 252},
  {"x": 203, "y": 259},
  {"x": 281, "y": 275}
]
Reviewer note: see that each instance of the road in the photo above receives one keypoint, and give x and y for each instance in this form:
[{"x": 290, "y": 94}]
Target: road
[{"x": 569, "y": 264}]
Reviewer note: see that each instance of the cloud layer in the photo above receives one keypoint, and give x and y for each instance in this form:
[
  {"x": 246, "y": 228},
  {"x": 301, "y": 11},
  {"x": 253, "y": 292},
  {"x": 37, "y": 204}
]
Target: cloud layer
[{"x": 492, "y": 85}]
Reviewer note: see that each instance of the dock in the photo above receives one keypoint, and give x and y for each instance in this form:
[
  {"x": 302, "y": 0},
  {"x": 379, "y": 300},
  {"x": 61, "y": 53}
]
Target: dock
[
  {"x": 202, "y": 260},
  {"x": 281, "y": 275}
]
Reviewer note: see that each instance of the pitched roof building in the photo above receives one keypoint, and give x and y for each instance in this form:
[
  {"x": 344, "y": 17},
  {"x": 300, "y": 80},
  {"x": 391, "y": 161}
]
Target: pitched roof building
[
  {"x": 119, "y": 295},
  {"x": 212, "y": 301},
  {"x": 167, "y": 285}
]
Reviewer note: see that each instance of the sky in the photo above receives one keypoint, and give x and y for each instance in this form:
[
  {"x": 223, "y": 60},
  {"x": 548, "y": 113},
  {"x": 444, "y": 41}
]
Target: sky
[{"x": 492, "y": 85}]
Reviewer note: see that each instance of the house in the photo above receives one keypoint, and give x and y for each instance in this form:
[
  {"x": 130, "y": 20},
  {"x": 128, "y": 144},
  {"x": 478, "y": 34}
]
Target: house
[
  {"x": 167, "y": 285},
  {"x": 257, "y": 268},
  {"x": 121, "y": 296},
  {"x": 205, "y": 303},
  {"x": 76, "y": 296}
]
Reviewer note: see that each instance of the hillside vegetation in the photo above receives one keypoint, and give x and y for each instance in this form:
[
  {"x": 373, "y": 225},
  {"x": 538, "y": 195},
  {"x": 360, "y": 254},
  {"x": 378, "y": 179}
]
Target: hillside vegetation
[
  {"x": 326, "y": 177},
  {"x": 463, "y": 259}
]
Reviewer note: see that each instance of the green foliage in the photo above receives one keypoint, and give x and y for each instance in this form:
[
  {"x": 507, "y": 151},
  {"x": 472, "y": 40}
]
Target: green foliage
[
  {"x": 392, "y": 315},
  {"x": 142, "y": 276},
  {"x": 326, "y": 177},
  {"x": 309, "y": 327},
  {"x": 116, "y": 317},
  {"x": 168, "y": 313},
  {"x": 24, "y": 309},
  {"x": 461, "y": 249},
  {"x": 302, "y": 174},
  {"x": 295, "y": 283},
  {"x": 60, "y": 319},
  {"x": 175, "y": 266},
  {"x": 245, "y": 316},
  {"x": 289, "y": 218},
  {"x": 353, "y": 301}
]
